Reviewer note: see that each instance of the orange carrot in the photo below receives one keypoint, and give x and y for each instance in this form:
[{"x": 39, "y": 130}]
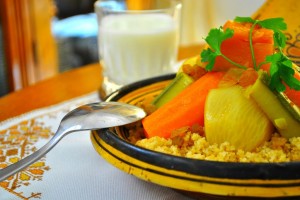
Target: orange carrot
[
  {"x": 237, "y": 48},
  {"x": 185, "y": 109}
]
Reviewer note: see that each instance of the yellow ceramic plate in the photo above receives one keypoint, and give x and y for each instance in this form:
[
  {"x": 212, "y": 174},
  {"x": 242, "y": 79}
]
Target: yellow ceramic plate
[{"x": 204, "y": 179}]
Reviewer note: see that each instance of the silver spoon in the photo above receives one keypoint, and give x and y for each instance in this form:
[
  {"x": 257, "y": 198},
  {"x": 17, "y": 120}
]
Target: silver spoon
[{"x": 88, "y": 117}]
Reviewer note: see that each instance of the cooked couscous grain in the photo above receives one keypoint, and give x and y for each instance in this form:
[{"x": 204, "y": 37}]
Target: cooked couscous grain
[{"x": 195, "y": 146}]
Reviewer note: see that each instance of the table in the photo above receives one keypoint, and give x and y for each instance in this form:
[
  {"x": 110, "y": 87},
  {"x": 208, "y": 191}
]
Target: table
[
  {"x": 73, "y": 169},
  {"x": 63, "y": 87}
]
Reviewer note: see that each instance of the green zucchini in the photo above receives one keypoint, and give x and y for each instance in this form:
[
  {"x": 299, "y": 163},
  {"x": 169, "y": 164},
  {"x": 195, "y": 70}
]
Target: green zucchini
[
  {"x": 179, "y": 83},
  {"x": 277, "y": 107}
]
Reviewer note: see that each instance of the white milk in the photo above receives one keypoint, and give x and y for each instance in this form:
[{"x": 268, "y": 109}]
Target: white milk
[{"x": 138, "y": 46}]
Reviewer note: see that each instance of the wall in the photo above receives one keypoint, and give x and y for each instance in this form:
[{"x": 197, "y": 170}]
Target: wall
[{"x": 198, "y": 16}]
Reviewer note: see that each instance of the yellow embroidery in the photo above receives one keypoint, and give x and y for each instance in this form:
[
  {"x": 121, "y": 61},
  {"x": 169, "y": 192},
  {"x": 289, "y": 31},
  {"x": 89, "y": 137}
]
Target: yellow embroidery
[{"x": 17, "y": 142}]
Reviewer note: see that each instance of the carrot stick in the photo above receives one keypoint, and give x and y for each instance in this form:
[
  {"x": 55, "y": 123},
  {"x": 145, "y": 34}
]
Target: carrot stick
[{"x": 186, "y": 109}]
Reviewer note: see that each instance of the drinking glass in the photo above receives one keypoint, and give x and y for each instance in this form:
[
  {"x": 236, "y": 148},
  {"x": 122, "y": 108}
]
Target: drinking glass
[{"x": 137, "y": 39}]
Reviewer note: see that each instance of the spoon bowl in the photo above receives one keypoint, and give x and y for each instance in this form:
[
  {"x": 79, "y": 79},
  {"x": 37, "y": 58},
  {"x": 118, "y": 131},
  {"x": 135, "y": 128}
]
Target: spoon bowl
[{"x": 87, "y": 117}]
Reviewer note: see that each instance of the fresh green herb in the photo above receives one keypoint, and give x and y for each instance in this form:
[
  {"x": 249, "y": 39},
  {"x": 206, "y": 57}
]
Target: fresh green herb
[
  {"x": 215, "y": 38},
  {"x": 281, "y": 69},
  {"x": 276, "y": 24}
]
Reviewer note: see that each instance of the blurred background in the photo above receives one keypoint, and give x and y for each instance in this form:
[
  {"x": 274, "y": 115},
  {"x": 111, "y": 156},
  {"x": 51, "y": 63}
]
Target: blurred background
[
  {"x": 39, "y": 39},
  {"x": 198, "y": 17},
  {"x": 75, "y": 25}
]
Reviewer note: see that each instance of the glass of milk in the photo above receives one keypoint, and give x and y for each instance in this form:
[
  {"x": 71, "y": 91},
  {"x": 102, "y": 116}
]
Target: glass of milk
[{"x": 137, "y": 39}]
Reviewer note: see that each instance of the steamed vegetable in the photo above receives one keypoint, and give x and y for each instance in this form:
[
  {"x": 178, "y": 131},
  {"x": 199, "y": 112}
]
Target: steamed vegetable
[
  {"x": 186, "y": 109},
  {"x": 286, "y": 124},
  {"x": 292, "y": 94},
  {"x": 230, "y": 47},
  {"x": 235, "y": 55},
  {"x": 232, "y": 117},
  {"x": 282, "y": 76},
  {"x": 281, "y": 69},
  {"x": 179, "y": 83},
  {"x": 189, "y": 71}
]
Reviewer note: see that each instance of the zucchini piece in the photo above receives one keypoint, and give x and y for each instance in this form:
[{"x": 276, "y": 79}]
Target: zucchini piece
[
  {"x": 284, "y": 100},
  {"x": 289, "y": 105},
  {"x": 179, "y": 83},
  {"x": 282, "y": 119}
]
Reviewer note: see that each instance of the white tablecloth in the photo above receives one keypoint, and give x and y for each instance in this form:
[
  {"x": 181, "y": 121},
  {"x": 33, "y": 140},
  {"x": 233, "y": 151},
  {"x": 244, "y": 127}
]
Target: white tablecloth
[{"x": 72, "y": 170}]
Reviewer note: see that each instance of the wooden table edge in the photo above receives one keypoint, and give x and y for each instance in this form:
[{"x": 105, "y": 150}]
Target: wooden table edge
[{"x": 64, "y": 86}]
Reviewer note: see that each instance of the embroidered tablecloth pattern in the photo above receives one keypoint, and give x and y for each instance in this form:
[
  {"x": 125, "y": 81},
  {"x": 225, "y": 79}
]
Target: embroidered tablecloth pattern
[{"x": 72, "y": 170}]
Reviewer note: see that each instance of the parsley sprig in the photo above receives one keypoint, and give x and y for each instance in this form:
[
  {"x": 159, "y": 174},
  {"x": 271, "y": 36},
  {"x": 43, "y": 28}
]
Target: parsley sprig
[{"x": 281, "y": 69}]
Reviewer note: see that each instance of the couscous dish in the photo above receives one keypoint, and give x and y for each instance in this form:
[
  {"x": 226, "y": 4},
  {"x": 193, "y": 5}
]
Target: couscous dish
[{"x": 238, "y": 101}]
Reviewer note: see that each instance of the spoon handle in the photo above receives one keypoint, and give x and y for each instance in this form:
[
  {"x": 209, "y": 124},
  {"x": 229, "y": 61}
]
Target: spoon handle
[{"x": 25, "y": 162}]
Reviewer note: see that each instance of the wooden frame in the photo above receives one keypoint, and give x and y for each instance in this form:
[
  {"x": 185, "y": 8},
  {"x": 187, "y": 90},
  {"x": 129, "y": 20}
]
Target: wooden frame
[{"x": 30, "y": 48}]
